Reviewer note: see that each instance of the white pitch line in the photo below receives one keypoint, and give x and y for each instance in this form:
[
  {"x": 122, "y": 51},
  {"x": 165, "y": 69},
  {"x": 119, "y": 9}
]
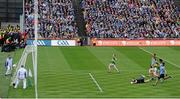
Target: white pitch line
[
  {"x": 94, "y": 80},
  {"x": 160, "y": 57}
]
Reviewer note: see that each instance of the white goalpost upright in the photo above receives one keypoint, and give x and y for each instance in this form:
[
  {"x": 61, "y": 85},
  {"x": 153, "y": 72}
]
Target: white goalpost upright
[
  {"x": 35, "y": 45},
  {"x": 30, "y": 49}
]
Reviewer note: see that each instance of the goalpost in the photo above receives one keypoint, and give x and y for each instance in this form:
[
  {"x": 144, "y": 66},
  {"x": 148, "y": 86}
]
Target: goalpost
[
  {"x": 35, "y": 44},
  {"x": 30, "y": 49}
]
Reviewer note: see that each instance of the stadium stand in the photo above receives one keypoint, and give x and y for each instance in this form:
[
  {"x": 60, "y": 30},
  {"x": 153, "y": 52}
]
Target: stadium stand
[
  {"x": 56, "y": 19},
  {"x": 11, "y": 38},
  {"x": 131, "y": 19}
]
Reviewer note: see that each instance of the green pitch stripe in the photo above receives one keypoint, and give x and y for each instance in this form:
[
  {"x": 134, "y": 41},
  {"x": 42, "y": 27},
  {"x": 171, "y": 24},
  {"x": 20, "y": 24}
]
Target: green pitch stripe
[
  {"x": 66, "y": 85},
  {"x": 4, "y": 81},
  {"x": 104, "y": 54},
  {"x": 80, "y": 58},
  {"x": 141, "y": 58},
  {"x": 52, "y": 59},
  {"x": 175, "y": 48}
]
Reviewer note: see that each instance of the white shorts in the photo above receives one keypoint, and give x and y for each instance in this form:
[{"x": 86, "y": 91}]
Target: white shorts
[{"x": 112, "y": 65}]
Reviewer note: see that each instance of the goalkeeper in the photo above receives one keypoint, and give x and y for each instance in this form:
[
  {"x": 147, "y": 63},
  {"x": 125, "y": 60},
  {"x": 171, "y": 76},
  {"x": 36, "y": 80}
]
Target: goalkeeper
[
  {"x": 21, "y": 76},
  {"x": 140, "y": 80}
]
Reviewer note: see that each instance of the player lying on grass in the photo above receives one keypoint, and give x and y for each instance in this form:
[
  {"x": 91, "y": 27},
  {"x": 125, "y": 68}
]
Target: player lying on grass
[
  {"x": 139, "y": 80},
  {"x": 113, "y": 64},
  {"x": 162, "y": 72},
  {"x": 153, "y": 73}
]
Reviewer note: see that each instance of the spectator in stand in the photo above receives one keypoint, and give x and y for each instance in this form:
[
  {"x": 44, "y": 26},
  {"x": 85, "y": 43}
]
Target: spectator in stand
[
  {"x": 56, "y": 19},
  {"x": 11, "y": 35},
  {"x": 131, "y": 19}
]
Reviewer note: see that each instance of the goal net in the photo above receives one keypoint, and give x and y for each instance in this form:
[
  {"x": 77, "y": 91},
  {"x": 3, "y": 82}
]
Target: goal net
[{"x": 29, "y": 50}]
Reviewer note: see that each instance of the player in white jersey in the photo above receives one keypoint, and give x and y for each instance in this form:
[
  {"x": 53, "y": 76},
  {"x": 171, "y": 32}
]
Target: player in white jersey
[
  {"x": 21, "y": 76},
  {"x": 8, "y": 65},
  {"x": 154, "y": 60},
  {"x": 153, "y": 72},
  {"x": 156, "y": 72}
]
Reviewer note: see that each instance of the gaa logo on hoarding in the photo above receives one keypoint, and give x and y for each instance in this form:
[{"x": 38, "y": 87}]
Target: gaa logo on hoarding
[
  {"x": 63, "y": 43},
  {"x": 39, "y": 42}
]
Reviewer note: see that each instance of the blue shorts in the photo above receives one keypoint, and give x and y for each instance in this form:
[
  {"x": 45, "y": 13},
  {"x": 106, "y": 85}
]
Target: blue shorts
[{"x": 161, "y": 76}]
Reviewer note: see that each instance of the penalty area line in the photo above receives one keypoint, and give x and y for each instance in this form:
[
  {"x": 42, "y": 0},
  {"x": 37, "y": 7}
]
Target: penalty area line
[
  {"x": 160, "y": 57},
  {"x": 94, "y": 80}
]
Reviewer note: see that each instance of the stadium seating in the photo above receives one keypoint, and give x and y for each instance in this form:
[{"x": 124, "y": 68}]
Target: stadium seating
[
  {"x": 11, "y": 38},
  {"x": 10, "y": 34},
  {"x": 56, "y": 19},
  {"x": 131, "y": 19}
]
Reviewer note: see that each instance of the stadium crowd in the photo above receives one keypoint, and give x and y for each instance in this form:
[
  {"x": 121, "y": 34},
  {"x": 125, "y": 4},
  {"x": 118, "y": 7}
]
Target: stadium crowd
[
  {"x": 131, "y": 19},
  {"x": 56, "y": 19},
  {"x": 11, "y": 38}
]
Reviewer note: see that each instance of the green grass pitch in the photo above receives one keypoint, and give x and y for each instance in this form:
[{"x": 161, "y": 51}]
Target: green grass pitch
[{"x": 63, "y": 72}]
